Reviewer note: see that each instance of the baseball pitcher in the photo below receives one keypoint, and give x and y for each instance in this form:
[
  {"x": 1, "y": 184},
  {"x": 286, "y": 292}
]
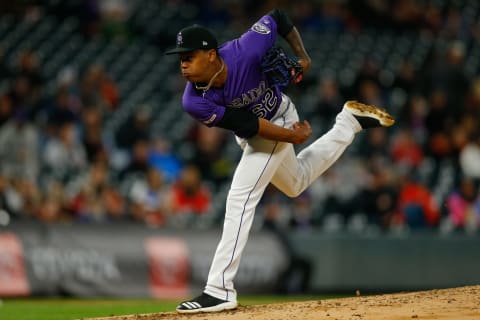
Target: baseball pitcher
[{"x": 238, "y": 86}]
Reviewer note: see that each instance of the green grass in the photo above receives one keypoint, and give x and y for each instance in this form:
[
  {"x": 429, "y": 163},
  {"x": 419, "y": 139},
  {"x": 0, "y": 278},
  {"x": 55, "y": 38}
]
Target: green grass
[
  {"x": 66, "y": 309},
  {"x": 69, "y": 309}
]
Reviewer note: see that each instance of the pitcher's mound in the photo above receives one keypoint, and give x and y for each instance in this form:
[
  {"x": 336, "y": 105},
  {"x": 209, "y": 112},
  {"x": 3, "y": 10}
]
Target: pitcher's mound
[{"x": 457, "y": 303}]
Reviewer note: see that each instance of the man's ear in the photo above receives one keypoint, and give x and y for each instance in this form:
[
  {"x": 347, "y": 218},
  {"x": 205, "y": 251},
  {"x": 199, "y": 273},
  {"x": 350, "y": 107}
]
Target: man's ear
[{"x": 212, "y": 55}]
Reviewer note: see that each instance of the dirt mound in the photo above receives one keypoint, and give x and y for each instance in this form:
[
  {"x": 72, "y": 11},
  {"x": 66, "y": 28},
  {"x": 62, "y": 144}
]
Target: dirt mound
[{"x": 456, "y": 303}]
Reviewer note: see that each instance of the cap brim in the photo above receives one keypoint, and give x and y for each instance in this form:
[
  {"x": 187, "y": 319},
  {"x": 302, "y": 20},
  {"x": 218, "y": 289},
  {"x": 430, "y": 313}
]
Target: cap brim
[{"x": 179, "y": 50}]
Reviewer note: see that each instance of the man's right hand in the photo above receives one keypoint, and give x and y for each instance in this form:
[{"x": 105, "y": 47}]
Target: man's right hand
[
  {"x": 302, "y": 131},
  {"x": 298, "y": 133}
]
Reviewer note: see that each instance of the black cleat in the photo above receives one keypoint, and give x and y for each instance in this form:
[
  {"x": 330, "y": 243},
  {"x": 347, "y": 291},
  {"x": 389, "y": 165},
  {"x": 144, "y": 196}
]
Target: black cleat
[
  {"x": 369, "y": 116},
  {"x": 205, "y": 303}
]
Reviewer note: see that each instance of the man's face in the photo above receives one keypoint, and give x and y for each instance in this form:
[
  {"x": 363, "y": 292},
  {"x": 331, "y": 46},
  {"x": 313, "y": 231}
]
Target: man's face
[{"x": 195, "y": 65}]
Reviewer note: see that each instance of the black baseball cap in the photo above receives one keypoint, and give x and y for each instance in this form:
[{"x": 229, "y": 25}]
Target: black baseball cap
[{"x": 193, "y": 38}]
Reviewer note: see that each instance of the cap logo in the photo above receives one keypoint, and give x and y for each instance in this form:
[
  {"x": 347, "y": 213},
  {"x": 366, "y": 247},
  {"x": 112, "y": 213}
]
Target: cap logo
[
  {"x": 179, "y": 39},
  {"x": 204, "y": 43}
]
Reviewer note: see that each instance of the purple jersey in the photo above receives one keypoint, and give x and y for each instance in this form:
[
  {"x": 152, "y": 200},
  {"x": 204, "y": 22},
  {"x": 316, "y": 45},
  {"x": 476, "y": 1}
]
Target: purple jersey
[{"x": 246, "y": 86}]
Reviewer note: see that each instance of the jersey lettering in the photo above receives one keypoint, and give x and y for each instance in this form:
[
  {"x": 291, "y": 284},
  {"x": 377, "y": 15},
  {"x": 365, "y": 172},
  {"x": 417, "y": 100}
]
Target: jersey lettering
[
  {"x": 259, "y": 111},
  {"x": 269, "y": 101},
  {"x": 249, "y": 97}
]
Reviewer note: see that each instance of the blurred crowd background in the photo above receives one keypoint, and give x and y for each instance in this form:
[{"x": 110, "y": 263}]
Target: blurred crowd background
[{"x": 92, "y": 129}]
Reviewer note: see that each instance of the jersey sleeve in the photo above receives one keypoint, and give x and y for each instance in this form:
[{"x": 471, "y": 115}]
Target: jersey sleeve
[
  {"x": 203, "y": 110},
  {"x": 259, "y": 38}
]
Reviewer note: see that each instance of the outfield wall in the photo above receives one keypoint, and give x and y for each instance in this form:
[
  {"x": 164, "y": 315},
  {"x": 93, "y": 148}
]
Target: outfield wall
[
  {"x": 381, "y": 263},
  {"x": 124, "y": 261},
  {"x": 133, "y": 261}
]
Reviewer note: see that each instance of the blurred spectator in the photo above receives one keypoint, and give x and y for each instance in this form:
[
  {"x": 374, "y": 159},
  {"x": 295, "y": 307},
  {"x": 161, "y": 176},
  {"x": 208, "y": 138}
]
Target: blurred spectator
[
  {"x": 138, "y": 165},
  {"x": 439, "y": 117},
  {"x": 376, "y": 144},
  {"x": 405, "y": 149},
  {"x": 378, "y": 200},
  {"x": 162, "y": 158},
  {"x": 301, "y": 212},
  {"x": 98, "y": 88},
  {"x": 5, "y": 70},
  {"x": 472, "y": 101},
  {"x": 90, "y": 18},
  {"x": 209, "y": 153},
  {"x": 27, "y": 83},
  {"x": 10, "y": 199},
  {"x": 470, "y": 157},
  {"x": 30, "y": 68},
  {"x": 216, "y": 12},
  {"x": 31, "y": 195},
  {"x": 370, "y": 92},
  {"x": 49, "y": 210},
  {"x": 332, "y": 16},
  {"x": 51, "y": 207},
  {"x": 19, "y": 94},
  {"x": 338, "y": 188},
  {"x": 274, "y": 208},
  {"x": 134, "y": 129},
  {"x": 6, "y": 109},
  {"x": 463, "y": 205},
  {"x": 414, "y": 118},
  {"x": 189, "y": 195},
  {"x": 84, "y": 194},
  {"x": 459, "y": 136},
  {"x": 304, "y": 15},
  {"x": 406, "y": 77},
  {"x": 91, "y": 134},
  {"x": 367, "y": 83},
  {"x": 330, "y": 100},
  {"x": 454, "y": 26},
  {"x": 114, "y": 204},
  {"x": 446, "y": 74},
  {"x": 438, "y": 121},
  {"x": 287, "y": 213},
  {"x": 64, "y": 155},
  {"x": 64, "y": 109},
  {"x": 396, "y": 15},
  {"x": 93, "y": 198},
  {"x": 432, "y": 19},
  {"x": 19, "y": 148},
  {"x": 148, "y": 199},
  {"x": 416, "y": 204},
  {"x": 114, "y": 19}
]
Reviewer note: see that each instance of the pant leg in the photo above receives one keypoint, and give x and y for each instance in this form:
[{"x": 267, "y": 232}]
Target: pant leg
[
  {"x": 264, "y": 161},
  {"x": 296, "y": 173},
  {"x": 258, "y": 164}
]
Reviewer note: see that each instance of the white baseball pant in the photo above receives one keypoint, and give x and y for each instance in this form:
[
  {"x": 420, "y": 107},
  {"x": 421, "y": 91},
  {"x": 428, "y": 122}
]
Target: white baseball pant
[{"x": 264, "y": 161}]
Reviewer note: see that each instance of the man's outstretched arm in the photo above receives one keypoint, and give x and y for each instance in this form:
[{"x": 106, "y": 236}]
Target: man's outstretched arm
[{"x": 289, "y": 32}]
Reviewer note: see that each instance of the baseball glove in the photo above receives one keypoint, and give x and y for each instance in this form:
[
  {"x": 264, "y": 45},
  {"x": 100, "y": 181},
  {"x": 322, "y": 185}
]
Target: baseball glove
[{"x": 281, "y": 69}]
